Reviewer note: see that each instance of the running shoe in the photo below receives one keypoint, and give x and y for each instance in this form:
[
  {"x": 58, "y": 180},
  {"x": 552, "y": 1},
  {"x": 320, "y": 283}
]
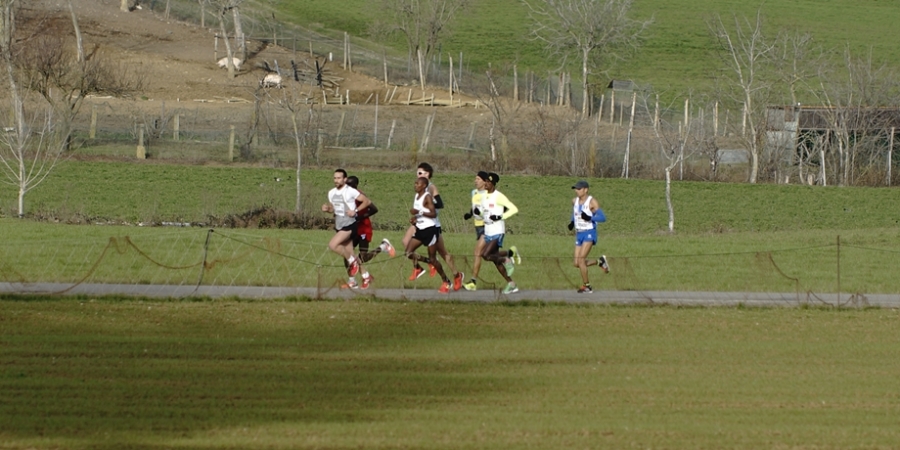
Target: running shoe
[
  {"x": 353, "y": 269},
  {"x": 585, "y": 289},
  {"x": 387, "y": 247},
  {"x": 432, "y": 271},
  {"x": 511, "y": 288},
  {"x": 470, "y": 286},
  {"x": 367, "y": 280},
  {"x": 351, "y": 284},
  {"x": 514, "y": 254},
  {"x": 445, "y": 288},
  {"x": 417, "y": 272},
  {"x": 603, "y": 263},
  {"x": 457, "y": 281}
]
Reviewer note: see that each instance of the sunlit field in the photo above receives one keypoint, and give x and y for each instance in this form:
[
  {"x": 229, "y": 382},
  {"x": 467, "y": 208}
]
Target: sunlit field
[{"x": 80, "y": 373}]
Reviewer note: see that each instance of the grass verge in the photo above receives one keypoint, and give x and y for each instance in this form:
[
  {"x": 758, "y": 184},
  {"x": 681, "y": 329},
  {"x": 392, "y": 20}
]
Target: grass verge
[{"x": 138, "y": 374}]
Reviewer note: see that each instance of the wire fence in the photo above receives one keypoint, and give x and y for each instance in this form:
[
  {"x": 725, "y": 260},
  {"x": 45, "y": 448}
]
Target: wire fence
[
  {"x": 551, "y": 141},
  {"x": 186, "y": 262}
]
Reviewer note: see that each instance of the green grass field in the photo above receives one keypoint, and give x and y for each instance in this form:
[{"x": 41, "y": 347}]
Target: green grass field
[
  {"x": 153, "y": 192},
  {"x": 84, "y": 374},
  {"x": 677, "y": 55},
  {"x": 729, "y": 237},
  {"x": 112, "y": 373}
]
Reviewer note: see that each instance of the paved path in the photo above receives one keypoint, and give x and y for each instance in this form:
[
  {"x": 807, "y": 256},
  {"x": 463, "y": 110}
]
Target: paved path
[{"x": 598, "y": 297}]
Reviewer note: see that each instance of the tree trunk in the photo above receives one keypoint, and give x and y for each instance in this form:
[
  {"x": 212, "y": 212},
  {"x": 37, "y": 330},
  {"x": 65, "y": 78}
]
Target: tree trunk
[
  {"x": 239, "y": 33},
  {"x": 754, "y": 144},
  {"x": 585, "y": 53},
  {"x": 7, "y": 26},
  {"x": 421, "y": 63},
  {"x": 78, "y": 41},
  {"x": 299, "y": 157},
  {"x": 229, "y": 56},
  {"x": 669, "y": 199},
  {"x": 124, "y": 6}
]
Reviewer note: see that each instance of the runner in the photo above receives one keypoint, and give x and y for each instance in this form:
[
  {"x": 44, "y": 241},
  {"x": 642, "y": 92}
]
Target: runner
[
  {"x": 343, "y": 204},
  {"x": 362, "y": 237},
  {"x": 495, "y": 208},
  {"x": 586, "y": 213},
  {"x": 425, "y": 170},
  {"x": 475, "y": 213},
  {"x": 424, "y": 219}
]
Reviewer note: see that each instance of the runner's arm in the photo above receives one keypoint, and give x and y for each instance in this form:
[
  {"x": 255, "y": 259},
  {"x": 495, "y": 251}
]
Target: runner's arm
[{"x": 511, "y": 209}]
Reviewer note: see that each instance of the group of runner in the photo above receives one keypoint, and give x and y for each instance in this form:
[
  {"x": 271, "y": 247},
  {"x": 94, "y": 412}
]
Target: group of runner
[{"x": 489, "y": 209}]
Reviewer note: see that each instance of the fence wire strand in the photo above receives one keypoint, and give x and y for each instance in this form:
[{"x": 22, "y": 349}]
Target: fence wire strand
[{"x": 237, "y": 260}]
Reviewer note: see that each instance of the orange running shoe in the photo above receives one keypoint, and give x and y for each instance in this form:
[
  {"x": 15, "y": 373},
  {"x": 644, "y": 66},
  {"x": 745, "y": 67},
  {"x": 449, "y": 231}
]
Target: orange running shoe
[
  {"x": 445, "y": 288},
  {"x": 417, "y": 272},
  {"x": 457, "y": 281}
]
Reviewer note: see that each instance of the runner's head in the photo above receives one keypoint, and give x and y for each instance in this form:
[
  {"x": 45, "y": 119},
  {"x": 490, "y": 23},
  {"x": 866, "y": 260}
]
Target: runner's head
[
  {"x": 421, "y": 184},
  {"x": 581, "y": 188},
  {"x": 480, "y": 178},
  {"x": 425, "y": 170},
  {"x": 340, "y": 178},
  {"x": 353, "y": 181},
  {"x": 491, "y": 182}
]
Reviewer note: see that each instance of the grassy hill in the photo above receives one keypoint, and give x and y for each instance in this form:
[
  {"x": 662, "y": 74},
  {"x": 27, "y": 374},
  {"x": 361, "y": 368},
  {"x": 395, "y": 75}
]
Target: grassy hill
[{"x": 677, "y": 55}]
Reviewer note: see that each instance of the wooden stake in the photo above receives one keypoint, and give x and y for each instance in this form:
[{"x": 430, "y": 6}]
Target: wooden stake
[
  {"x": 93, "y": 132},
  {"x": 612, "y": 106},
  {"x": 515, "y": 82},
  {"x": 384, "y": 62},
  {"x": 231, "y": 145},
  {"x": 391, "y": 134},
  {"x": 890, "y": 153},
  {"x": 141, "y": 150},
  {"x": 375, "y": 142},
  {"x": 451, "y": 79}
]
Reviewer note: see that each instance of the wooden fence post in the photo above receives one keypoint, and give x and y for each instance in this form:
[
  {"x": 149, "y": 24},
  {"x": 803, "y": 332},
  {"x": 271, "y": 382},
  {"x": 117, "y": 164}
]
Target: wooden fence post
[
  {"x": 231, "y": 145},
  {"x": 176, "y": 127},
  {"x": 889, "y": 157},
  {"x": 93, "y": 132},
  {"x": 391, "y": 134},
  {"x": 375, "y": 141},
  {"x": 141, "y": 150}
]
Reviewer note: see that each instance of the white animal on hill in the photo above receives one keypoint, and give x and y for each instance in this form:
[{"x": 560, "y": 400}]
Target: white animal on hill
[
  {"x": 224, "y": 63},
  {"x": 271, "y": 80}
]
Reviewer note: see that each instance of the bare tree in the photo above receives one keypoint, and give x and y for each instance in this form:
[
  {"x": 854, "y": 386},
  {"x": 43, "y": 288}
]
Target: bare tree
[
  {"x": 588, "y": 30},
  {"x": 796, "y": 60},
  {"x": 676, "y": 142},
  {"x": 223, "y": 7},
  {"x": 745, "y": 53},
  {"x": 43, "y": 63},
  {"x": 422, "y": 23},
  {"x": 504, "y": 111},
  {"x": 859, "y": 95}
]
